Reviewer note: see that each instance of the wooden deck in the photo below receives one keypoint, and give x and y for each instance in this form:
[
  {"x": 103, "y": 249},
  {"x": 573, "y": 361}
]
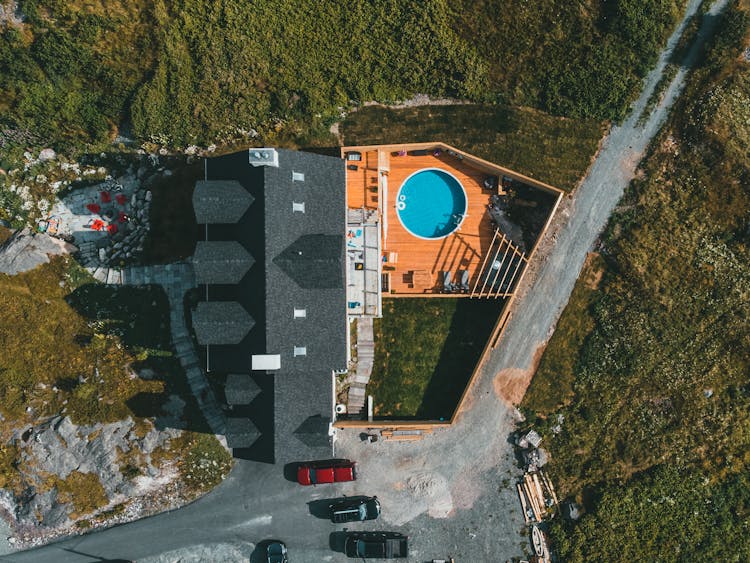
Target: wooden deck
[{"x": 415, "y": 265}]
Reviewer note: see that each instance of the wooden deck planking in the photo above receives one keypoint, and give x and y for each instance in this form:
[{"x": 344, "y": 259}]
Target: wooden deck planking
[{"x": 463, "y": 249}]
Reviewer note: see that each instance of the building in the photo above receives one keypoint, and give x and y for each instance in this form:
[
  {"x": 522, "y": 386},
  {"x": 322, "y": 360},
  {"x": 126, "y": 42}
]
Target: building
[{"x": 271, "y": 269}]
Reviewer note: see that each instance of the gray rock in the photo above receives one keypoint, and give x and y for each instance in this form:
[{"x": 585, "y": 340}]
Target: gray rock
[
  {"x": 47, "y": 154},
  {"x": 102, "y": 255},
  {"x": 148, "y": 196},
  {"x": 25, "y": 250}
]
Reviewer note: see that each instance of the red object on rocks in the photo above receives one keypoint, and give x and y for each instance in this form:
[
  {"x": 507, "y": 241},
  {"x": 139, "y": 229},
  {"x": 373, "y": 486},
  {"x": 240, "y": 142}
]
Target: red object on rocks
[
  {"x": 121, "y": 199},
  {"x": 93, "y": 207},
  {"x": 105, "y": 196},
  {"x": 122, "y": 217},
  {"x": 112, "y": 229},
  {"x": 97, "y": 225}
]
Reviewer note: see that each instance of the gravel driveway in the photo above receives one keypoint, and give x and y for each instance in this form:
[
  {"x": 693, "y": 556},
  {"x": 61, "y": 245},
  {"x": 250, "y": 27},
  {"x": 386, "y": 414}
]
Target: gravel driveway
[{"x": 453, "y": 491}]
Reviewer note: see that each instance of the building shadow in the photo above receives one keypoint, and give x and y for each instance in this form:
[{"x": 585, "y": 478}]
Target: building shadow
[{"x": 471, "y": 326}]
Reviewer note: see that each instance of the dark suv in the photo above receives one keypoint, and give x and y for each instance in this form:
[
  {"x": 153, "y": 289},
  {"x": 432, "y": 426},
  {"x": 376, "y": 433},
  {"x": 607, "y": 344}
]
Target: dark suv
[{"x": 355, "y": 509}]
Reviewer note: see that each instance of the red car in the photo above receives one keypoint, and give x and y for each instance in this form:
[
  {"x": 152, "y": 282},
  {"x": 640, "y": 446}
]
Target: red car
[{"x": 317, "y": 472}]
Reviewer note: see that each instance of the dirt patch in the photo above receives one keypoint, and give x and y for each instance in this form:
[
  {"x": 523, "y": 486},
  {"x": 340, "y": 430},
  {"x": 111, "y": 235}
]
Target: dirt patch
[{"x": 511, "y": 383}]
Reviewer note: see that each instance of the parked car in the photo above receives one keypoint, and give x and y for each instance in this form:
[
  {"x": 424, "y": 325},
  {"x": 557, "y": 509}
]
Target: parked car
[
  {"x": 276, "y": 552},
  {"x": 376, "y": 545},
  {"x": 317, "y": 472},
  {"x": 355, "y": 509}
]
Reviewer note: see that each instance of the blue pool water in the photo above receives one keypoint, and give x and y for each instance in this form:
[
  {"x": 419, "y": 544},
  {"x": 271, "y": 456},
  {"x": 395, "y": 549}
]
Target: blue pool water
[{"x": 431, "y": 203}]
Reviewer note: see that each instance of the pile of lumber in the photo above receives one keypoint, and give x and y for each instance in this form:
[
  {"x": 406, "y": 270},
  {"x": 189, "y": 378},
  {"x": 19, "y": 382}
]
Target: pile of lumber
[
  {"x": 537, "y": 496},
  {"x": 405, "y": 434}
]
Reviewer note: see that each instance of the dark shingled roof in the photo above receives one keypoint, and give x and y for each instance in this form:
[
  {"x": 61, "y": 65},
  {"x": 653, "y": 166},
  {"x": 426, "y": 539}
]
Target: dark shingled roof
[
  {"x": 283, "y": 280},
  {"x": 220, "y": 261},
  {"x": 221, "y": 322},
  {"x": 240, "y": 389},
  {"x": 222, "y": 201},
  {"x": 313, "y": 261},
  {"x": 241, "y": 432}
]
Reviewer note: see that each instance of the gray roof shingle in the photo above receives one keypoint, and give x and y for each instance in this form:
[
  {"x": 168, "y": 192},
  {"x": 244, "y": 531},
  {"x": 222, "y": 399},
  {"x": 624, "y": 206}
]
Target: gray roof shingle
[
  {"x": 240, "y": 389},
  {"x": 220, "y": 201},
  {"x": 313, "y": 261},
  {"x": 221, "y": 322},
  {"x": 241, "y": 432},
  {"x": 283, "y": 280},
  {"x": 220, "y": 262}
]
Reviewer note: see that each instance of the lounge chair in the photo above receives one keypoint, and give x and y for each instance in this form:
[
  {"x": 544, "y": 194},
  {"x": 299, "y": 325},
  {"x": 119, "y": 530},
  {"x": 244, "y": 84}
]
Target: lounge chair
[
  {"x": 448, "y": 286},
  {"x": 463, "y": 280}
]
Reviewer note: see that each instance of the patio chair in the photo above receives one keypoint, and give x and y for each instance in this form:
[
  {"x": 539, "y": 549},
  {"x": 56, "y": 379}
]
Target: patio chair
[
  {"x": 463, "y": 280},
  {"x": 448, "y": 286}
]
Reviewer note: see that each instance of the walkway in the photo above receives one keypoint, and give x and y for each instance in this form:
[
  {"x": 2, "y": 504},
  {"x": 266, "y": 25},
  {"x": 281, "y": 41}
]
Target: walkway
[
  {"x": 176, "y": 279},
  {"x": 356, "y": 398}
]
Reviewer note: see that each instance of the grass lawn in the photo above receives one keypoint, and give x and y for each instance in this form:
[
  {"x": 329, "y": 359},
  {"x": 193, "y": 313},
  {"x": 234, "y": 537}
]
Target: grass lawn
[
  {"x": 425, "y": 352},
  {"x": 555, "y": 150}
]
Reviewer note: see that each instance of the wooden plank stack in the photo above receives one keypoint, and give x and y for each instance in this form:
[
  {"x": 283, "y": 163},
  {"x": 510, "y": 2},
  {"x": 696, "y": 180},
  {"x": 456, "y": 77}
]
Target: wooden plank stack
[{"x": 535, "y": 492}]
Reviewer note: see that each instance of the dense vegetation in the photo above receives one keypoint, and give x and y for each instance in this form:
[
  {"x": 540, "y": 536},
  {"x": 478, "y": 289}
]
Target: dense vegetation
[
  {"x": 555, "y": 150},
  {"x": 200, "y": 71},
  {"x": 645, "y": 393},
  {"x": 425, "y": 352}
]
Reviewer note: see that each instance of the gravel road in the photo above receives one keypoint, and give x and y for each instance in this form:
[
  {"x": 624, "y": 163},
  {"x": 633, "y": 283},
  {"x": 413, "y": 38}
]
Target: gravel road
[{"x": 451, "y": 492}]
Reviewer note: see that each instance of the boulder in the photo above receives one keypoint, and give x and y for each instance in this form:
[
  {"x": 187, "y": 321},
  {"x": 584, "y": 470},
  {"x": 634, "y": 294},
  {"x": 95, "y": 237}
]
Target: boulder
[
  {"x": 25, "y": 250},
  {"x": 46, "y": 155}
]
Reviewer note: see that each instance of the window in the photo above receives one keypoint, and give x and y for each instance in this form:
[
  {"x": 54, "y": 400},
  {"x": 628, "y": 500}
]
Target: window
[
  {"x": 298, "y": 176},
  {"x": 300, "y": 313},
  {"x": 300, "y": 351},
  {"x": 298, "y": 207}
]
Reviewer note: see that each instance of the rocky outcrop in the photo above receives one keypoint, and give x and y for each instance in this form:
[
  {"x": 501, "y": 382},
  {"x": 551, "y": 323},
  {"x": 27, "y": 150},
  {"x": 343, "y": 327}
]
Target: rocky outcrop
[
  {"x": 25, "y": 251},
  {"x": 52, "y": 451}
]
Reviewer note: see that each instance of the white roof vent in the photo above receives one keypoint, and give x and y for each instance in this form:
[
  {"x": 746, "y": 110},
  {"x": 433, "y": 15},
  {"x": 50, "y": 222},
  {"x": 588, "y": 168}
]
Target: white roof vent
[
  {"x": 266, "y": 362},
  {"x": 263, "y": 157},
  {"x": 300, "y": 351},
  {"x": 300, "y": 313},
  {"x": 298, "y": 207},
  {"x": 298, "y": 176}
]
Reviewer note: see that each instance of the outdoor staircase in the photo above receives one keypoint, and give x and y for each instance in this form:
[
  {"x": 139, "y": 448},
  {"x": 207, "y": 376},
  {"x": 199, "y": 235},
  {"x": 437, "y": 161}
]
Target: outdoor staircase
[{"x": 357, "y": 398}]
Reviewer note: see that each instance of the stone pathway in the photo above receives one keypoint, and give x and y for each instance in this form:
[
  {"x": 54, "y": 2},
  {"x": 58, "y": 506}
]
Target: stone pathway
[
  {"x": 176, "y": 279},
  {"x": 356, "y": 398}
]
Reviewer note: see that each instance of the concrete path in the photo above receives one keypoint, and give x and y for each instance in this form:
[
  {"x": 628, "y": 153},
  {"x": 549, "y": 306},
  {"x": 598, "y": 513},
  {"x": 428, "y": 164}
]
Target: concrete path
[{"x": 451, "y": 492}]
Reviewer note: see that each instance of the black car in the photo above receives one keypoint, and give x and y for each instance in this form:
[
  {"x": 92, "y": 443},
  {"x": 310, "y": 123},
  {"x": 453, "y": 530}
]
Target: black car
[
  {"x": 376, "y": 545},
  {"x": 355, "y": 509},
  {"x": 276, "y": 552}
]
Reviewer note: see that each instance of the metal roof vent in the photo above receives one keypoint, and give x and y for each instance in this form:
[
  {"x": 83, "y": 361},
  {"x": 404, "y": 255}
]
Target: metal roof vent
[{"x": 263, "y": 157}]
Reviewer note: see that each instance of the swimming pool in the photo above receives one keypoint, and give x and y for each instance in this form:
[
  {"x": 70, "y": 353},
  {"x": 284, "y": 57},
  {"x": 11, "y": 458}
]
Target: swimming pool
[{"x": 431, "y": 203}]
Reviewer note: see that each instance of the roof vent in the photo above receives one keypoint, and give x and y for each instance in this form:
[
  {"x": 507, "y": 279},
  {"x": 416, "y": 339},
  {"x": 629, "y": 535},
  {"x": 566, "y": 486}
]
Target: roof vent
[
  {"x": 263, "y": 157},
  {"x": 300, "y": 351},
  {"x": 298, "y": 176},
  {"x": 300, "y": 313},
  {"x": 298, "y": 207}
]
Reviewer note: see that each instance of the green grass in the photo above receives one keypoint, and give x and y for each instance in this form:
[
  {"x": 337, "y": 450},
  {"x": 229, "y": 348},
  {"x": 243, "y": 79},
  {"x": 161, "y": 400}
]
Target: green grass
[
  {"x": 425, "y": 352},
  {"x": 200, "y": 71},
  {"x": 651, "y": 367},
  {"x": 551, "y": 149},
  {"x": 552, "y": 386}
]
